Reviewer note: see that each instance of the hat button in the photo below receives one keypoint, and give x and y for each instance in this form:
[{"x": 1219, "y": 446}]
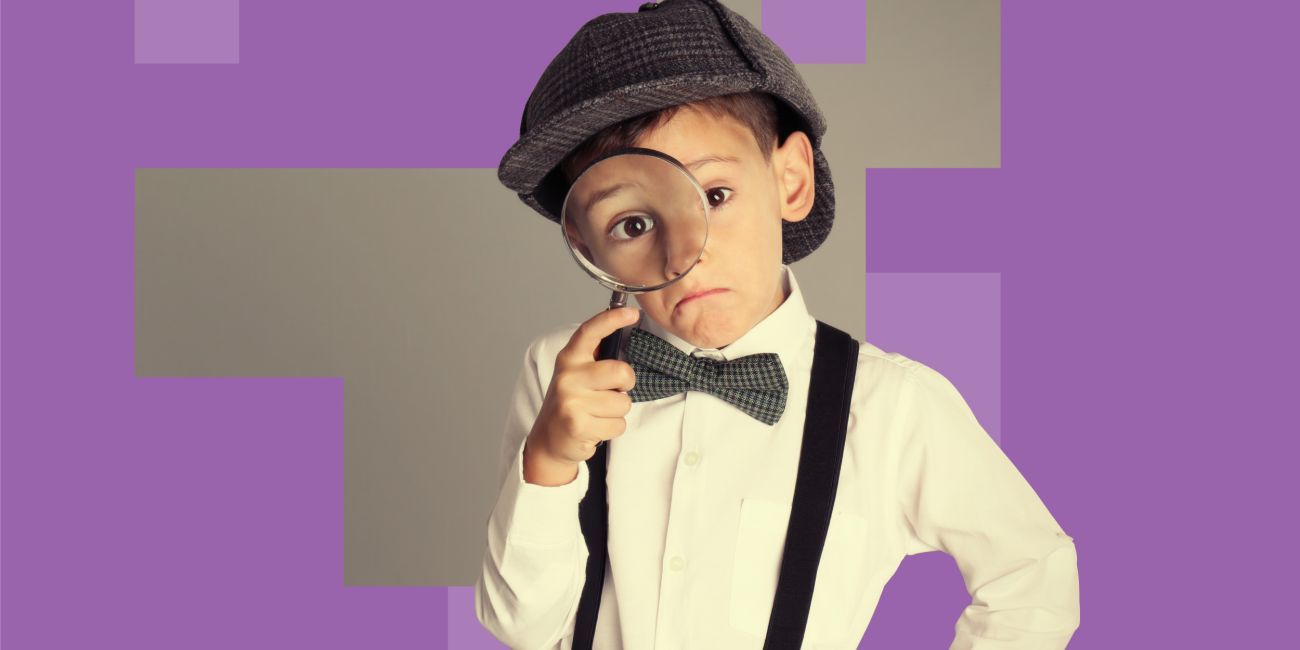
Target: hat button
[{"x": 648, "y": 5}]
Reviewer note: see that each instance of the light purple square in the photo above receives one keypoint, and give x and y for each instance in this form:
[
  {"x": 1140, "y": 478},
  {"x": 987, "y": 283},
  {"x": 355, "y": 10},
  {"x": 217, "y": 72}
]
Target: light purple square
[
  {"x": 187, "y": 31},
  {"x": 463, "y": 629},
  {"x": 951, "y": 322},
  {"x": 818, "y": 31}
]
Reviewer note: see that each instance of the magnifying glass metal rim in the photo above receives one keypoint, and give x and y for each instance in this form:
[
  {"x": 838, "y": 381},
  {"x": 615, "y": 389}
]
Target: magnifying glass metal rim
[{"x": 601, "y": 276}]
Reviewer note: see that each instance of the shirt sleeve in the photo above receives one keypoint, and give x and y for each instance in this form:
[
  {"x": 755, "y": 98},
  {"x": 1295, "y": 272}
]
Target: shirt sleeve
[
  {"x": 535, "y": 564},
  {"x": 960, "y": 494}
]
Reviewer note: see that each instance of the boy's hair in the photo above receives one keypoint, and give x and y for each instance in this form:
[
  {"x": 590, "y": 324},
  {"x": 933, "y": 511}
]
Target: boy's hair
[{"x": 756, "y": 110}]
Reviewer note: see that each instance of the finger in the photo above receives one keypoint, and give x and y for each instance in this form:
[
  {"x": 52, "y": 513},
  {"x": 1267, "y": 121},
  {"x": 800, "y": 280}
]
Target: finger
[
  {"x": 609, "y": 404},
  {"x": 607, "y": 428},
  {"x": 586, "y": 339},
  {"x": 606, "y": 375}
]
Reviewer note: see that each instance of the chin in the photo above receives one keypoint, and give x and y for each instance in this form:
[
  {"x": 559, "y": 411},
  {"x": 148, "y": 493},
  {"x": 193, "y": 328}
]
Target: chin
[{"x": 711, "y": 329}]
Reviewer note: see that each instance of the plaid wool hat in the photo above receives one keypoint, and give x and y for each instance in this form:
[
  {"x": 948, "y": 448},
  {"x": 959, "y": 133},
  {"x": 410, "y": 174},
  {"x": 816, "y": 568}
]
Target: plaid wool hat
[{"x": 621, "y": 65}]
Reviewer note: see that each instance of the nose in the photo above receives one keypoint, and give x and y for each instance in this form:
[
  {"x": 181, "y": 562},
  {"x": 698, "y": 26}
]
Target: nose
[
  {"x": 685, "y": 234},
  {"x": 676, "y": 267},
  {"x": 682, "y": 254}
]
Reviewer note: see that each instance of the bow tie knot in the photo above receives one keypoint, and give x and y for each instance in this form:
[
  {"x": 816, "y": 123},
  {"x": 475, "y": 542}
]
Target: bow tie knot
[
  {"x": 703, "y": 373},
  {"x": 756, "y": 383}
]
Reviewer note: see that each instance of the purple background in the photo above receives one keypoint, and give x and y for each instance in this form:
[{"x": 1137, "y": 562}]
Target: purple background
[{"x": 1142, "y": 224}]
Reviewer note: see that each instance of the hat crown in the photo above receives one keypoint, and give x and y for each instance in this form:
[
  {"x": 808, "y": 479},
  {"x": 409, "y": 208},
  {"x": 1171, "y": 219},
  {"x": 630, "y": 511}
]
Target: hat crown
[{"x": 618, "y": 51}]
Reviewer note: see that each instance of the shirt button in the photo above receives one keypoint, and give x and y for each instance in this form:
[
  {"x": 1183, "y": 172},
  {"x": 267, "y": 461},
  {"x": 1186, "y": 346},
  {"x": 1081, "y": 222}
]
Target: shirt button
[
  {"x": 677, "y": 563},
  {"x": 692, "y": 458}
]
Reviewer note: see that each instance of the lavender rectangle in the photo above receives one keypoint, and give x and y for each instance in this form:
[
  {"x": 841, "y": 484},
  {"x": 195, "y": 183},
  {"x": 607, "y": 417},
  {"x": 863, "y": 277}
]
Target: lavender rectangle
[
  {"x": 951, "y": 322},
  {"x": 187, "y": 31},
  {"x": 818, "y": 31}
]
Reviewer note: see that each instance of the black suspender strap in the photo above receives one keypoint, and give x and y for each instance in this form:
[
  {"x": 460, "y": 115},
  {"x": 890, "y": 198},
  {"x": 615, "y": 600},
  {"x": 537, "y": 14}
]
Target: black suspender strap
[
  {"x": 835, "y": 363},
  {"x": 593, "y": 516},
  {"x": 835, "y": 359}
]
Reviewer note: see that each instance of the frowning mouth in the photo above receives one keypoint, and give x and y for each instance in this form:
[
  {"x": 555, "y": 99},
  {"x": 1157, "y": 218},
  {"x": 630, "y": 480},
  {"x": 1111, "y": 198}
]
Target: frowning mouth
[{"x": 698, "y": 294}]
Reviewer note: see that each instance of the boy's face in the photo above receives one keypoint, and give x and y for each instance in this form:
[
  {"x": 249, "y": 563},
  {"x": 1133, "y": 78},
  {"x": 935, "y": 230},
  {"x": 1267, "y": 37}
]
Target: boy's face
[{"x": 740, "y": 268}]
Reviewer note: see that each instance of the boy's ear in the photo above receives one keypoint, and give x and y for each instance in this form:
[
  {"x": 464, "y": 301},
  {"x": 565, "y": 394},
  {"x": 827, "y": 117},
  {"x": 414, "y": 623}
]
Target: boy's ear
[{"x": 793, "y": 162}]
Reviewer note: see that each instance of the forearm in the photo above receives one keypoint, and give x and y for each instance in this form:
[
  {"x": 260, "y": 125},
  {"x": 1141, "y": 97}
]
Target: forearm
[
  {"x": 527, "y": 596},
  {"x": 1033, "y": 607},
  {"x": 535, "y": 564}
]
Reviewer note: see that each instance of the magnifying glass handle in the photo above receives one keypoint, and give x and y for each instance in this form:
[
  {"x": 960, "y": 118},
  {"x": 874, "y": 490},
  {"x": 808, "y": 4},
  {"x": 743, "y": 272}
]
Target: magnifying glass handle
[{"x": 610, "y": 345}]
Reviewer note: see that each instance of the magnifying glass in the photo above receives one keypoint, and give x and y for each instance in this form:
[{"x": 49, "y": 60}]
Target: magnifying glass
[{"x": 635, "y": 220}]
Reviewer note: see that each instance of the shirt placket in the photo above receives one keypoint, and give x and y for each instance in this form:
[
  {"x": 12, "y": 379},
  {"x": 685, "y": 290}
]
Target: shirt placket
[{"x": 698, "y": 413}]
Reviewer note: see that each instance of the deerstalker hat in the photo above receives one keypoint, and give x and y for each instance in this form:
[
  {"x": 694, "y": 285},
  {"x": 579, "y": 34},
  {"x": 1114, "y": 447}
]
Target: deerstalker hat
[{"x": 621, "y": 65}]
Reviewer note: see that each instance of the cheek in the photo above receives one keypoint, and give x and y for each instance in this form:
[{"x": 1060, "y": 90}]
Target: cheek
[
  {"x": 653, "y": 304},
  {"x": 750, "y": 238}
]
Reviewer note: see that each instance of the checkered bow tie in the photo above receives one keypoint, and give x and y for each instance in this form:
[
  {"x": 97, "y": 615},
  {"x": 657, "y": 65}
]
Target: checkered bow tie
[{"x": 756, "y": 383}]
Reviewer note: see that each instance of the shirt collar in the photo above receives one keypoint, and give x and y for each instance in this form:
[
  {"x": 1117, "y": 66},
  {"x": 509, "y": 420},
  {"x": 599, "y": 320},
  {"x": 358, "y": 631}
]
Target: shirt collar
[{"x": 782, "y": 331}]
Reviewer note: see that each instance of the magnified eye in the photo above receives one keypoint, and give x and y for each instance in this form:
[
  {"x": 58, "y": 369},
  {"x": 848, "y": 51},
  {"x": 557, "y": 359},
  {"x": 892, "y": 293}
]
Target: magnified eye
[
  {"x": 631, "y": 227},
  {"x": 716, "y": 196}
]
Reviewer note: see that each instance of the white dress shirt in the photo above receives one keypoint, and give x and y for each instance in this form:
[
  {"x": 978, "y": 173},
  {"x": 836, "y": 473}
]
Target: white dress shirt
[{"x": 699, "y": 497}]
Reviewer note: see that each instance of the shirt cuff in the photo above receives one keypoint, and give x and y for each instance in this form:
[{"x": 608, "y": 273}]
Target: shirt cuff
[{"x": 546, "y": 515}]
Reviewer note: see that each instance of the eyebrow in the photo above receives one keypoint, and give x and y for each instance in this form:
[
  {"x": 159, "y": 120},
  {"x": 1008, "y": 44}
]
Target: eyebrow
[
  {"x": 604, "y": 194},
  {"x": 693, "y": 166}
]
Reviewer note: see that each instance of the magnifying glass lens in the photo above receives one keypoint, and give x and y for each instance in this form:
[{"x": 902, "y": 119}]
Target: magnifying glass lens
[{"x": 636, "y": 221}]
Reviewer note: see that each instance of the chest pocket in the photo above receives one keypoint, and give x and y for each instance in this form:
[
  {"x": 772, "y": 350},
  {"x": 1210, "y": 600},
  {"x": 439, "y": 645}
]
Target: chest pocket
[{"x": 840, "y": 582}]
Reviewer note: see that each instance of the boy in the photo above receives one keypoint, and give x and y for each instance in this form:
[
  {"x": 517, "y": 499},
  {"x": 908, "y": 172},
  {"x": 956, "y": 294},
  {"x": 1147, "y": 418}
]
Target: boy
[{"x": 729, "y": 527}]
